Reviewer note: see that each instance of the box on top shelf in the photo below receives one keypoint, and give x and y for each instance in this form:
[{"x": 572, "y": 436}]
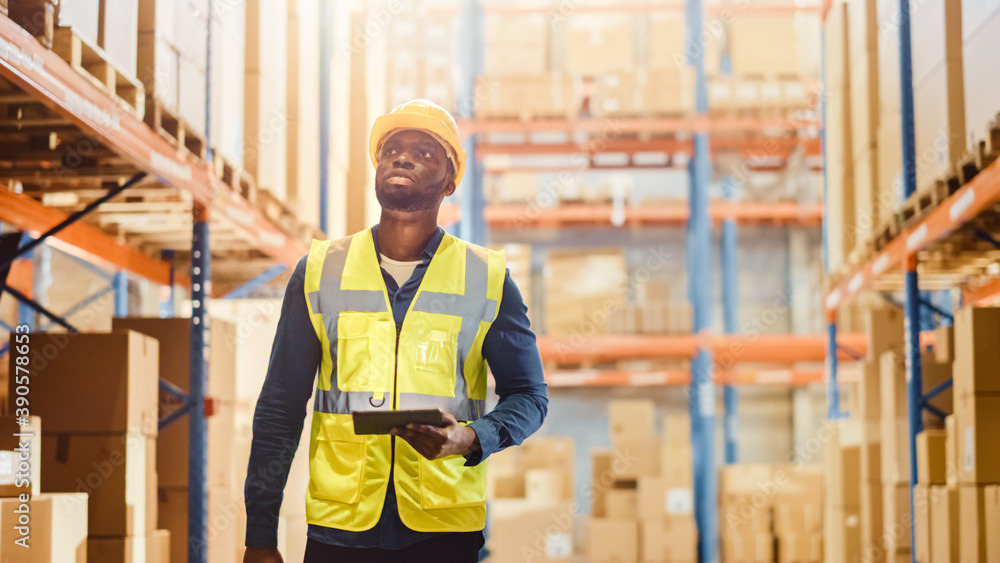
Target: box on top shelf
[
  {"x": 118, "y": 471},
  {"x": 516, "y": 44},
  {"x": 19, "y": 444},
  {"x": 982, "y": 40},
  {"x": 117, "y": 32},
  {"x": 57, "y": 530},
  {"x": 598, "y": 44},
  {"x": 939, "y": 134},
  {"x": 936, "y": 28},
  {"x": 528, "y": 96},
  {"x": 112, "y": 378},
  {"x": 764, "y": 45}
]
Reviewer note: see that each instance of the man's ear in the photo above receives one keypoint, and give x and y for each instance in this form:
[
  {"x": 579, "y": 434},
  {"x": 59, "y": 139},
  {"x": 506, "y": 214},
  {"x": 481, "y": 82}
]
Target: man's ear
[{"x": 450, "y": 187}]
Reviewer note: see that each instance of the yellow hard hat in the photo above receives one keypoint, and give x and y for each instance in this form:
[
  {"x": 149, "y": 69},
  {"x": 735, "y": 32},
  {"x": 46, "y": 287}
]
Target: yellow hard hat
[{"x": 425, "y": 116}]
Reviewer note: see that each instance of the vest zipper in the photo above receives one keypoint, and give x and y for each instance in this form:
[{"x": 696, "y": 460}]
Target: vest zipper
[{"x": 395, "y": 370}]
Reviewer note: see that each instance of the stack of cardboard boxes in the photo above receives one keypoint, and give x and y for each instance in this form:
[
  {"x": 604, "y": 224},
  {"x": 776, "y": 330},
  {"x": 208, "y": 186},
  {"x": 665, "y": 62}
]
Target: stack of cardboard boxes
[
  {"x": 642, "y": 490},
  {"x": 842, "y": 502},
  {"x": 36, "y": 527},
  {"x": 577, "y": 302},
  {"x": 769, "y": 511},
  {"x": 977, "y": 429},
  {"x": 225, "y": 482},
  {"x": 531, "y": 508},
  {"x": 653, "y": 316},
  {"x": 97, "y": 394}
]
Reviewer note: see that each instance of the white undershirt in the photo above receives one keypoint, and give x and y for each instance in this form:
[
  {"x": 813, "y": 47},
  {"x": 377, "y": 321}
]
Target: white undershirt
[{"x": 400, "y": 271}]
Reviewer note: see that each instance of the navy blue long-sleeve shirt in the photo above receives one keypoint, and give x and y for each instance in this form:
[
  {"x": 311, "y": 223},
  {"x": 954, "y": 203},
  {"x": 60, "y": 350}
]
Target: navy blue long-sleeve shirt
[{"x": 509, "y": 348}]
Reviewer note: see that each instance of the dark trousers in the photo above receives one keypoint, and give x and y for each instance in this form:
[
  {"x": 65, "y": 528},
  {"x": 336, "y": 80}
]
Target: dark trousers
[{"x": 459, "y": 547}]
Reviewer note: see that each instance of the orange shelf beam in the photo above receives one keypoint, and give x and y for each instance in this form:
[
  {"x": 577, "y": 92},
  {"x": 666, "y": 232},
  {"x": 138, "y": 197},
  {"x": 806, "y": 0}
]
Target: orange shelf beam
[
  {"x": 21, "y": 275},
  {"x": 755, "y": 147},
  {"x": 470, "y": 126},
  {"x": 982, "y": 295},
  {"x": 555, "y": 12},
  {"x": 83, "y": 240},
  {"x": 599, "y": 215},
  {"x": 50, "y": 80},
  {"x": 784, "y": 348},
  {"x": 979, "y": 195},
  {"x": 659, "y": 378}
]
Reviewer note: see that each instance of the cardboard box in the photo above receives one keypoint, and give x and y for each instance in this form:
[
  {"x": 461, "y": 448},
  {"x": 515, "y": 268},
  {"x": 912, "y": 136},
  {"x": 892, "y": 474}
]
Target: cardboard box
[
  {"x": 224, "y": 508},
  {"x": 656, "y": 498},
  {"x": 621, "y": 504},
  {"x": 57, "y": 530},
  {"x": 677, "y": 429},
  {"x": 922, "y": 522},
  {"x": 991, "y": 499},
  {"x": 516, "y": 43},
  {"x": 896, "y": 517},
  {"x": 125, "y": 549},
  {"x": 550, "y": 452},
  {"x": 872, "y": 523},
  {"x": 744, "y": 514},
  {"x": 677, "y": 464},
  {"x": 931, "y": 457},
  {"x": 158, "y": 68},
  {"x": 944, "y": 349},
  {"x": 844, "y": 476},
  {"x": 871, "y": 452},
  {"x": 119, "y": 27},
  {"x": 884, "y": 328},
  {"x": 763, "y": 45},
  {"x": 976, "y": 360},
  {"x": 158, "y": 547},
  {"x": 543, "y": 485},
  {"x": 116, "y": 470},
  {"x": 795, "y": 548},
  {"x": 978, "y": 433},
  {"x": 939, "y": 133},
  {"x": 982, "y": 98},
  {"x": 951, "y": 449},
  {"x": 842, "y": 534},
  {"x": 599, "y": 44},
  {"x": 119, "y": 397},
  {"x": 748, "y": 547},
  {"x": 870, "y": 391},
  {"x": 602, "y": 479},
  {"x": 973, "y": 530},
  {"x": 612, "y": 540},
  {"x": 632, "y": 420},
  {"x": 522, "y": 530},
  {"x": 797, "y": 518},
  {"x": 20, "y": 466},
  {"x": 638, "y": 457},
  {"x": 664, "y": 539},
  {"x": 945, "y": 523}
]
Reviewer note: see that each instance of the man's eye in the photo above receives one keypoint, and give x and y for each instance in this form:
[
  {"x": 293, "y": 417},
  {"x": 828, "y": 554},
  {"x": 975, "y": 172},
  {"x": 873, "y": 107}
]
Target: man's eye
[{"x": 425, "y": 154}]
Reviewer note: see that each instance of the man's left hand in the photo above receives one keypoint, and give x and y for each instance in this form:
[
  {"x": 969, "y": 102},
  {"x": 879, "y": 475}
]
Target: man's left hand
[{"x": 436, "y": 442}]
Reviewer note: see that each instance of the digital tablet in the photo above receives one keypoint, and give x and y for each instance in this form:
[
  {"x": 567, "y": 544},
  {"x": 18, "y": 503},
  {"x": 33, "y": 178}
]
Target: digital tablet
[{"x": 380, "y": 422}]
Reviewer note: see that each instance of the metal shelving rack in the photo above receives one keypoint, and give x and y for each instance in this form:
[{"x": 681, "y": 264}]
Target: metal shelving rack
[
  {"x": 901, "y": 259},
  {"x": 74, "y": 102}
]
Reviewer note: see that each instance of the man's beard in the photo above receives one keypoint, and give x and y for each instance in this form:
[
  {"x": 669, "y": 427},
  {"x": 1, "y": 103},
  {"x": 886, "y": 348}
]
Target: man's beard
[{"x": 398, "y": 198}]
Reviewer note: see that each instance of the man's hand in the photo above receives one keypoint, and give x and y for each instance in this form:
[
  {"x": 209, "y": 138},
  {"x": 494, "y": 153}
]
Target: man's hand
[
  {"x": 262, "y": 555},
  {"x": 433, "y": 442}
]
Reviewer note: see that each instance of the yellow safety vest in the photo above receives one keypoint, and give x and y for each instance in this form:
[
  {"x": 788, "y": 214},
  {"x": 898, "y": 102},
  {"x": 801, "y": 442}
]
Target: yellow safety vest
[{"x": 434, "y": 360}]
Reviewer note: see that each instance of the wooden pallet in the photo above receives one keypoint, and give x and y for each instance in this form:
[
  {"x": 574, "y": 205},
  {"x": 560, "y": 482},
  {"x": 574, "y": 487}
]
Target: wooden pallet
[
  {"x": 887, "y": 230},
  {"x": 275, "y": 210},
  {"x": 918, "y": 205},
  {"x": 238, "y": 179},
  {"x": 93, "y": 63},
  {"x": 171, "y": 127}
]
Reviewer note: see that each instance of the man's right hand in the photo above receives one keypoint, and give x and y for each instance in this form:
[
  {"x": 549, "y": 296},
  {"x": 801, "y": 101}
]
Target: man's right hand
[{"x": 262, "y": 555}]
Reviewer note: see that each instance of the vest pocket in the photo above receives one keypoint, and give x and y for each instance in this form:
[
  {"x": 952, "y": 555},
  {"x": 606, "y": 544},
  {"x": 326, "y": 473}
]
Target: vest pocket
[
  {"x": 338, "y": 466},
  {"x": 448, "y": 483},
  {"x": 365, "y": 352}
]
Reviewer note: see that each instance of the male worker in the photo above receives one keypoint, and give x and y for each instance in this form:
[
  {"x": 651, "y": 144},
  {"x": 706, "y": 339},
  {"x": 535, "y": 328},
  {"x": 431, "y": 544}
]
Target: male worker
[{"x": 399, "y": 316}]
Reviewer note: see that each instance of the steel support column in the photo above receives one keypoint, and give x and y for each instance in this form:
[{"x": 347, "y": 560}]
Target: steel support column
[
  {"x": 198, "y": 461},
  {"x": 166, "y": 309},
  {"x": 832, "y": 387},
  {"x": 119, "y": 284},
  {"x": 699, "y": 250},
  {"x": 914, "y": 374},
  {"x": 730, "y": 313},
  {"x": 325, "y": 70},
  {"x": 472, "y": 225}
]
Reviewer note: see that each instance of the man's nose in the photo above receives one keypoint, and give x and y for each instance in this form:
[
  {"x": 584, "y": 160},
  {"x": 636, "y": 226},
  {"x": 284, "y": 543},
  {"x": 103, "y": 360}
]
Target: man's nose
[{"x": 402, "y": 160}]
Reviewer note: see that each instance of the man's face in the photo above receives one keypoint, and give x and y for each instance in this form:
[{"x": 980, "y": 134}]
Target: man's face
[{"x": 413, "y": 173}]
